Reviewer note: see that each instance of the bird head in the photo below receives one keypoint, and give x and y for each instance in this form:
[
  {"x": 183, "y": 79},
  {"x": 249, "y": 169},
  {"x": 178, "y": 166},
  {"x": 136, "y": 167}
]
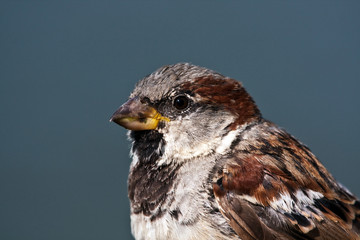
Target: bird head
[{"x": 191, "y": 108}]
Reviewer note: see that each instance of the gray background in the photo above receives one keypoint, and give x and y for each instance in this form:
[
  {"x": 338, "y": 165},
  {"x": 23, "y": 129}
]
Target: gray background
[{"x": 66, "y": 67}]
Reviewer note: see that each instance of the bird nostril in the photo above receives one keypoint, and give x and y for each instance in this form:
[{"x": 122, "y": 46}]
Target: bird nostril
[{"x": 145, "y": 100}]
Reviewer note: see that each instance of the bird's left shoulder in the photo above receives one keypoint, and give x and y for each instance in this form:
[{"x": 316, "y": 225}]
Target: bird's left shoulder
[{"x": 272, "y": 187}]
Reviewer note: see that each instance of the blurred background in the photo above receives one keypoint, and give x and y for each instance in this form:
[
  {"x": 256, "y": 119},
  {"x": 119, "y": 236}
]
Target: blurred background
[{"x": 66, "y": 66}]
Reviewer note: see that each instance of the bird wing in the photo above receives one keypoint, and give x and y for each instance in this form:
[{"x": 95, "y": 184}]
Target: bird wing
[{"x": 283, "y": 193}]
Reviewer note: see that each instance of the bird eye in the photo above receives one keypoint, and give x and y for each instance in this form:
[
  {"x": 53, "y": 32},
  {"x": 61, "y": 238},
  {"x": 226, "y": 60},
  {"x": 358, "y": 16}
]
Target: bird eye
[{"x": 181, "y": 102}]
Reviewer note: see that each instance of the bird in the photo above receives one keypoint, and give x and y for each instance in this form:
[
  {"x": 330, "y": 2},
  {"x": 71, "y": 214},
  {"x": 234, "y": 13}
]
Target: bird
[{"x": 207, "y": 165}]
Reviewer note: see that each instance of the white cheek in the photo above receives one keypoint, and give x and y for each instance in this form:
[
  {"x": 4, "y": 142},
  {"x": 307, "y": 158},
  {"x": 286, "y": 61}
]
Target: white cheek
[
  {"x": 178, "y": 146},
  {"x": 194, "y": 137}
]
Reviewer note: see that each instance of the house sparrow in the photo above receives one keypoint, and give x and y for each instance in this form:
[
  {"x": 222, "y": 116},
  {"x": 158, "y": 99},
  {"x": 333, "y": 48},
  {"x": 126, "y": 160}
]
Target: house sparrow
[{"x": 206, "y": 165}]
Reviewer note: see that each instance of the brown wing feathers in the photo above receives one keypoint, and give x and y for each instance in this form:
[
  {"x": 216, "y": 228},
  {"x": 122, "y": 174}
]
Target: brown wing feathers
[{"x": 283, "y": 176}]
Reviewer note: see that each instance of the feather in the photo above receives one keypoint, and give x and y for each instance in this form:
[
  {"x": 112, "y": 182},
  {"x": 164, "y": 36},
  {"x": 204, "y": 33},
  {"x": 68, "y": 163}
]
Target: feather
[{"x": 281, "y": 190}]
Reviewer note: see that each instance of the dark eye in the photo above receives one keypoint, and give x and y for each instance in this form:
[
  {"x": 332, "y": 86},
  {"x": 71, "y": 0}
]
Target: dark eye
[{"x": 181, "y": 102}]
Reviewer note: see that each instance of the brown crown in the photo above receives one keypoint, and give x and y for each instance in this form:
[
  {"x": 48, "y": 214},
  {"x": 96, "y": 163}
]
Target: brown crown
[{"x": 228, "y": 93}]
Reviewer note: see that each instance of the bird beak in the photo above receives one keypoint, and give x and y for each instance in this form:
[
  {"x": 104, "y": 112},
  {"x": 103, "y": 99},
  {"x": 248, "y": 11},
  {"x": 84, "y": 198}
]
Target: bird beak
[{"x": 134, "y": 115}]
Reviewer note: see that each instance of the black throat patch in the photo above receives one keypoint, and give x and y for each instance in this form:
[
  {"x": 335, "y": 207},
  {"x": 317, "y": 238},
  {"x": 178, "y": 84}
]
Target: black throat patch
[{"x": 148, "y": 183}]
